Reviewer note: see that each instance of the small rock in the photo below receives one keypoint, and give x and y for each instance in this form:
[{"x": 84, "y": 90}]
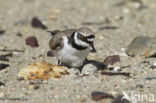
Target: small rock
[
  {"x": 154, "y": 64},
  {"x": 100, "y": 95},
  {"x": 117, "y": 69},
  {"x": 142, "y": 46},
  {"x": 36, "y": 81},
  {"x": 74, "y": 71},
  {"x": 150, "y": 78},
  {"x": 1, "y": 83},
  {"x": 89, "y": 69},
  {"x": 2, "y": 32},
  {"x": 33, "y": 87},
  {"x": 2, "y": 94},
  {"x": 152, "y": 67},
  {"x": 32, "y": 41},
  {"x": 3, "y": 58},
  {"x": 3, "y": 66},
  {"x": 50, "y": 53},
  {"x": 110, "y": 60},
  {"x": 36, "y": 23},
  {"x": 19, "y": 34},
  {"x": 20, "y": 78},
  {"x": 139, "y": 86}
]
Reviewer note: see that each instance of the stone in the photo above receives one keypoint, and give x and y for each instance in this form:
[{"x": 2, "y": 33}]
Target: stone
[
  {"x": 110, "y": 60},
  {"x": 117, "y": 69},
  {"x": 89, "y": 69},
  {"x": 74, "y": 71},
  {"x": 100, "y": 95},
  {"x": 2, "y": 32},
  {"x": 3, "y": 66},
  {"x": 32, "y": 41},
  {"x": 33, "y": 87},
  {"x": 50, "y": 53},
  {"x": 2, "y": 94},
  {"x": 142, "y": 46},
  {"x": 36, "y": 23}
]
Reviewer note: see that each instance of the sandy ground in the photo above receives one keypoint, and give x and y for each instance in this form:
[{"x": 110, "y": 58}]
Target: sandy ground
[{"x": 15, "y": 16}]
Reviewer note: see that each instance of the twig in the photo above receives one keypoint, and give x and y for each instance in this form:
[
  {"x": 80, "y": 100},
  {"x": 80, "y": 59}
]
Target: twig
[
  {"x": 14, "y": 99},
  {"x": 13, "y": 50},
  {"x": 96, "y": 23},
  {"x": 115, "y": 73},
  {"x": 108, "y": 27}
]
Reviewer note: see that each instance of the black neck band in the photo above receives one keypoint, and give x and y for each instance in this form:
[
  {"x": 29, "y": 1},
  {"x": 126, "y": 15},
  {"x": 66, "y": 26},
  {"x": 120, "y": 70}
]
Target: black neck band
[{"x": 74, "y": 45}]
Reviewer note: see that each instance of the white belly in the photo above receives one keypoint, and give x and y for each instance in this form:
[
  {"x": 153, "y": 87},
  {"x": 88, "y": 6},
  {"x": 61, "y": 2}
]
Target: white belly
[{"x": 70, "y": 55}]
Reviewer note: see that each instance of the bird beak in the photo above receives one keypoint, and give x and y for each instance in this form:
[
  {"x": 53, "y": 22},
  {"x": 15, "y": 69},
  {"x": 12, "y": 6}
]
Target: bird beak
[{"x": 93, "y": 48}]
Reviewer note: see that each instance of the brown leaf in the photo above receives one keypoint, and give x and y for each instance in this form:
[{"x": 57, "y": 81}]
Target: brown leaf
[
  {"x": 100, "y": 95},
  {"x": 36, "y": 23},
  {"x": 110, "y": 60},
  {"x": 32, "y": 41}
]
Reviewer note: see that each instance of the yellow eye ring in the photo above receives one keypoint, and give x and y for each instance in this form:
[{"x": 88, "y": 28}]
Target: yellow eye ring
[{"x": 82, "y": 37}]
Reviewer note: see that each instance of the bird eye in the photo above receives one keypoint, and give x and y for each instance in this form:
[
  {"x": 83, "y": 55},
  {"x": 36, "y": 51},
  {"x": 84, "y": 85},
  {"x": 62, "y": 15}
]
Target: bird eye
[{"x": 83, "y": 38}]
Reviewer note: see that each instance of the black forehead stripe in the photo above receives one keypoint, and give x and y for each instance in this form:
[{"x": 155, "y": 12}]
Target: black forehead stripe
[{"x": 90, "y": 36}]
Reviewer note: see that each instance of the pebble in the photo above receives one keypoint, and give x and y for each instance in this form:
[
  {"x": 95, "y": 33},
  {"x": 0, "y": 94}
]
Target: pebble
[
  {"x": 126, "y": 10},
  {"x": 1, "y": 83},
  {"x": 19, "y": 34},
  {"x": 142, "y": 46},
  {"x": 50, "y": 53},
  {"x": 3, "y": 58},
  {"x": 89, "y": 69},
  {"x": 100, "y": 95},
  {"x": 33, "y": 87},
  {"x": 154, "y": 64},
  {"x": 152, "y": 67},
  {"x": 110, "y": 60},
  {"x": 20, "y": 78},
  {"x": 3, "y": 66},
  {"x": 74, "y": 71},
  {"x": 2, "y": 94},
  {"x": 2, "y": 32},
  {"x": 117, "y": 69},
  {"x": 36, "y": 23},
  {"x": 139, "y": 86},
  {"x": 32, "y": 41}
]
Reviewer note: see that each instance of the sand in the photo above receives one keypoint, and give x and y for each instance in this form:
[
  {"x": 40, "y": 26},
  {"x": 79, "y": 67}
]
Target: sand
[{"x": 128, "y": 21}]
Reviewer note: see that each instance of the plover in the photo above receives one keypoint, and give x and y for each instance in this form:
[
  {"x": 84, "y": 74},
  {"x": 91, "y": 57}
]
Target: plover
[{"x": 72, "y": 46}]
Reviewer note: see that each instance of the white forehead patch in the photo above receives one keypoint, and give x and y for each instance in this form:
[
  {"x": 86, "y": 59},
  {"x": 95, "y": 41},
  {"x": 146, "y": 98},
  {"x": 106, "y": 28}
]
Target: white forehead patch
[{"x": 91, "y": 40}]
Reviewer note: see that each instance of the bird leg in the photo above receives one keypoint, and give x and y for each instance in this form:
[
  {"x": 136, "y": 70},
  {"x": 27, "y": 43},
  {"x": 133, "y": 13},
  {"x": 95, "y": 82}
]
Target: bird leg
[{"x": 59, "y": 63}]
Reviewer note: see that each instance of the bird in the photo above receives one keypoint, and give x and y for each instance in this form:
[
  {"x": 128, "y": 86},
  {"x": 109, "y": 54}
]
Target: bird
[{"x": 72, "y": 46}]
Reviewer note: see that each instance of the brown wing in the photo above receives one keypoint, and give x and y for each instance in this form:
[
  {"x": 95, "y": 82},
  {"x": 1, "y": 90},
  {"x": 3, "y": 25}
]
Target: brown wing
[
  {"x": 56, "y": 41},
  {"x": 69, "y": 32}
]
